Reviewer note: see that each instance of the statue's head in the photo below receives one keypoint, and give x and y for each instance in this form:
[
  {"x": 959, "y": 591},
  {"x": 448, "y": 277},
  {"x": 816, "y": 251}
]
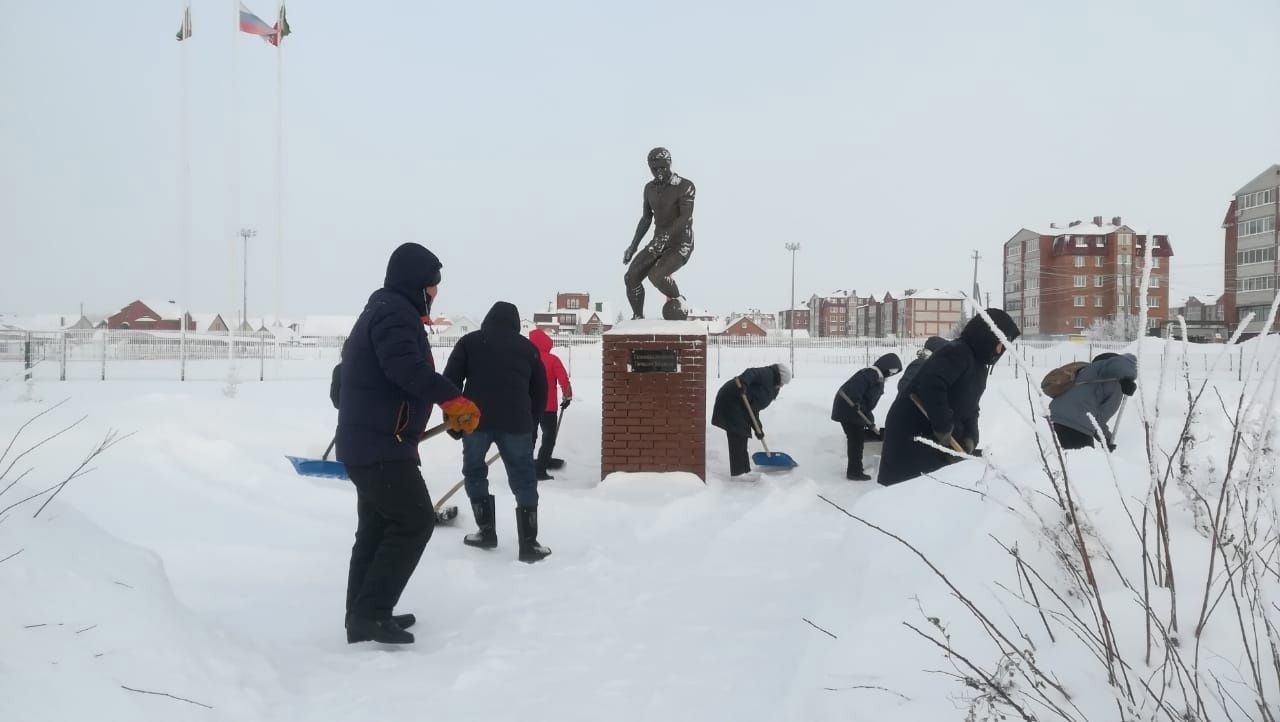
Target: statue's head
[{"x": 660, "y": 164}]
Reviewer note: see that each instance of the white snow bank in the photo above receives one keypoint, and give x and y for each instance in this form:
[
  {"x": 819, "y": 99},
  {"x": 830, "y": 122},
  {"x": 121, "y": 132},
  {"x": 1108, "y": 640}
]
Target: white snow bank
[{"x": 84, "y": 615}]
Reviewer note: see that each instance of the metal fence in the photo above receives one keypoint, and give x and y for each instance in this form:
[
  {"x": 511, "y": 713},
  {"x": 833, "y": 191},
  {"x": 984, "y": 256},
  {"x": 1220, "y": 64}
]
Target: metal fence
[{"x": 103, "y": 354}]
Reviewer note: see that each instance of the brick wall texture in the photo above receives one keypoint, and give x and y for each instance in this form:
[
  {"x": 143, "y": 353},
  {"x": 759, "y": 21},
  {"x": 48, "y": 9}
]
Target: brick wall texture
[{"x": 654, "y": 422}]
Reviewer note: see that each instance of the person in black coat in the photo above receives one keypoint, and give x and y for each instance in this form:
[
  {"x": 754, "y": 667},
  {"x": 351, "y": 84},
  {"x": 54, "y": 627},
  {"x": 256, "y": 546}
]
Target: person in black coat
[
  {"x": 854, "y": 408},
  {"x": 931, "y": 344},
  {"x": 761, "y": 386},
  {"x": 384, "y": 389},
  {"x": 502, "y": 371},
  {"x": 949, "y": 387}
]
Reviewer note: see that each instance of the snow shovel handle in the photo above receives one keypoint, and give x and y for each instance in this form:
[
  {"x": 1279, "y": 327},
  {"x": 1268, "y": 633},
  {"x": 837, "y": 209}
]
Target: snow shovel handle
[
  {"x": 433, "y": 431},
  {"x": 954, "y": 444},
  {"x": 857, "y": 409},
  {"x": 751, "y": 414},
  {"x": 440, "y": 504}
]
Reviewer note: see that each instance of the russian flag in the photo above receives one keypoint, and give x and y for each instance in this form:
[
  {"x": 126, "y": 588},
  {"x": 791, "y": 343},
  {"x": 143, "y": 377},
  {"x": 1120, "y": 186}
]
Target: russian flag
[{"x": 254, "y": 25}]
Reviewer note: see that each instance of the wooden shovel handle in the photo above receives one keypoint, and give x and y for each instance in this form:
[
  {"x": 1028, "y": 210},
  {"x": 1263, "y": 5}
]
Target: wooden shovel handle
[
  {"x": 954, "y": 444},
  {"x": 440, "y": 504}
]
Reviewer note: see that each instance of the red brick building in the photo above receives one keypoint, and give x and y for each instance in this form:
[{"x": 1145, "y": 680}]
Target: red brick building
[
  {"x": 150, "y": 316},
  {"x": 574, "y": 313},
  {"x": 1061, "y": 280},
  {"x": 797, "y": 318},
  {"x": 742, "y": 326},
  {"x": 1229, "y": 246}
]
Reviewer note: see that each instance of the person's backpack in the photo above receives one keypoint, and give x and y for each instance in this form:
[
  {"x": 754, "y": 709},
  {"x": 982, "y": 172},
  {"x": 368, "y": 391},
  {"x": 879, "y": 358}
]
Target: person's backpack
[
  {"x": 1060, "y": 380},
  {"x": 335, "y": 385}
]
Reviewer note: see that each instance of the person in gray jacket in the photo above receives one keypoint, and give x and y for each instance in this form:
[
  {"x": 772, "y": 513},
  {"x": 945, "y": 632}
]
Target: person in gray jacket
[{"x": 1098, "y": 390}]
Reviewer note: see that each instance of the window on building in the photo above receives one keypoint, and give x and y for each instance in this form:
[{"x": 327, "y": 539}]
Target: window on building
[
  {"x": 1081, "y": 242},
  {"x": 1266, "y": 224},
  {"x": 1153, "y": 323},
  {"x": 1155, "y": 281},
  {"x": 1100, "y": 243},
  {"x": 1155, "y": 261},
  {"x": 1256, "y": 283},
  {"x": 1098, "y": 261},
  {"x": 1257, "y": 198},
  {"x": 1078, "y": 261},
  {"x": 1078, "y": 301},
  {"x": 571, "y": 303},
  {"x": 1153, "y": 302},
  {"x": 1078, "y": 322},
  {"x": 1080, "y": 281},
  {"x": 1256, "y": 255},
  {"x": 1099, "y": 281},
  {"x": 1097, "y": 301}
]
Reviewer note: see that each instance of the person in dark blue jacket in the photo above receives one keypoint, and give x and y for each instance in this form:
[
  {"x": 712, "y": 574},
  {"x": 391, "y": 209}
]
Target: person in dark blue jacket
[
  {"x": 388, "y": 384},
  {"x": 760, "y": 386},
  {"x": 854, "y": 407}
]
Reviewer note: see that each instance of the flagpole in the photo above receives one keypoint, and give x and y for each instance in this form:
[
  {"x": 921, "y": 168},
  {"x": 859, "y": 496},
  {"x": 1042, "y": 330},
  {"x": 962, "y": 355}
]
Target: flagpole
[
  {"x": 232, "y": 220},
  {"x": 184, "y": 187},
  {"x": 279, "y": 159}
]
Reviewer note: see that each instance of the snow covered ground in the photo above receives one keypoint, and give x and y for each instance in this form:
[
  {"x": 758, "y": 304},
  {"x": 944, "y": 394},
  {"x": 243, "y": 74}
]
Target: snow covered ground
[{"x": 193, "y": 562}]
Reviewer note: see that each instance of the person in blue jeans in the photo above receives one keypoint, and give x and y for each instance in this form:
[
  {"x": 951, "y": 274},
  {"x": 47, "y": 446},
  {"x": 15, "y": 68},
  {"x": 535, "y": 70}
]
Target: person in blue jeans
[{"x": 501, "y": 371}]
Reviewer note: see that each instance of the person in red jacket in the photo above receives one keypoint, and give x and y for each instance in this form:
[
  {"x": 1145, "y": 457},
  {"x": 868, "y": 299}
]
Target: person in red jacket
[{"x": 557, "y": 377}]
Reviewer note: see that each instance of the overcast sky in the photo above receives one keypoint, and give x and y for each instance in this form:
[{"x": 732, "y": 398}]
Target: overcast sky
[{"x": 890, "y": 139}]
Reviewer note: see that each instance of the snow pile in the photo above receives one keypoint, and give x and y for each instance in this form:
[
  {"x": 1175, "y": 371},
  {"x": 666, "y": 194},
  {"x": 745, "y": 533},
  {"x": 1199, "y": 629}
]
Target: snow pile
[
  {"x": 1170, "y": 612},
  {"x": 91, "y": 630}
]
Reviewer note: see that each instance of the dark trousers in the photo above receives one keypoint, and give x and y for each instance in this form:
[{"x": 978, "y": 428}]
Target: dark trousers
[
  {"x": 549, "y": 432},
  {"x": 855, "y": 438},
  {"x": 394, "y": 522},
  {"x": 739, "y": 461},
  {"x": 658, "y": 268},
  {"x": 516, "y": 450},
  {"x": 1072, "y": 439}
]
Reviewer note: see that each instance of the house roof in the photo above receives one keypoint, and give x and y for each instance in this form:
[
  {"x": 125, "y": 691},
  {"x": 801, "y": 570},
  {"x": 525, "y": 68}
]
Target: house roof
[
  {"x": 167, "y": 310},
  {"x": 937, "y": 293},
  {"x": 1268, "y": 178},
  {"x": 326, "y": 325},
  {"x": 40, "y": 321},
  {"x": 204, "y": 320}
]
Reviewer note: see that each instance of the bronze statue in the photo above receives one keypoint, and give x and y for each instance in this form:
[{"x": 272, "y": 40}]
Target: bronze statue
[{"x": 668, "y": 203}]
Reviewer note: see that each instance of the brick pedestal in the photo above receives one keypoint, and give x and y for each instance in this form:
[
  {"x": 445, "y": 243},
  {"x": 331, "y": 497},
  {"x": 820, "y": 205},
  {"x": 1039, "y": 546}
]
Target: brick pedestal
[{"x": 655, "y": 415}]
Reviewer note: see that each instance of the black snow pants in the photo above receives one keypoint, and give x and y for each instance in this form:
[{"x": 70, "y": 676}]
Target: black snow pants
[{"x": 395, "y": 521}]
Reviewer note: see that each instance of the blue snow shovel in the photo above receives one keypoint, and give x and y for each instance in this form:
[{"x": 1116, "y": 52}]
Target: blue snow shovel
[
  {"x": 326, "y": 469},
  {"x": 770, "y": 460}
]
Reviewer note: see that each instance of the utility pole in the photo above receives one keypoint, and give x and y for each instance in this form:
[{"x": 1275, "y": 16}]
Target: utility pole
[
  {"x": 791, "y": 309},
  {"x": 977, "y": 295},
  {"x": 246, "y": 233}
]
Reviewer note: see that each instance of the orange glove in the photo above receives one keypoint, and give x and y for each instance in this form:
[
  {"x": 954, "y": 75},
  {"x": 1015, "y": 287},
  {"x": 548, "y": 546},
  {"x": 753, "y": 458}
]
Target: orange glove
[{"x": 461, "y": 414}]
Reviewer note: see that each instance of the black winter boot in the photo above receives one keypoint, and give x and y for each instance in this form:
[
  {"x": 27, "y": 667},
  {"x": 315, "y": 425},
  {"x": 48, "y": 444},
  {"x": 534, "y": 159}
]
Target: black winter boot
[
  {"x": 555, "y": 463},
  {"x": 527, "y": 531},
  {"x": 487, "y": 536},
  {"x": 403, "y": 621},
  {"x": 383, "y": 631}
]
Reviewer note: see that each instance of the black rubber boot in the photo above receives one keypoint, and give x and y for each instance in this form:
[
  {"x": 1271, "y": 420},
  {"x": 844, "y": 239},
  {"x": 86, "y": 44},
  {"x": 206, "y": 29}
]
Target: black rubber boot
[
  {"x": 857, "y": 476},
  {"x": 487, "y": 536},
  {"x": 555, "y": 463},
  {"x": 383, "y": 631},
  {"x": 527, "y": 531},
  {"x": 403, "y": 621}
]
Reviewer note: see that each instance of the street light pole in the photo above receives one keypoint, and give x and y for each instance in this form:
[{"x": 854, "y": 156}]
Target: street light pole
[
  {"x": 246, "y": 234},
  {"x": 791, "y": 309}
]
